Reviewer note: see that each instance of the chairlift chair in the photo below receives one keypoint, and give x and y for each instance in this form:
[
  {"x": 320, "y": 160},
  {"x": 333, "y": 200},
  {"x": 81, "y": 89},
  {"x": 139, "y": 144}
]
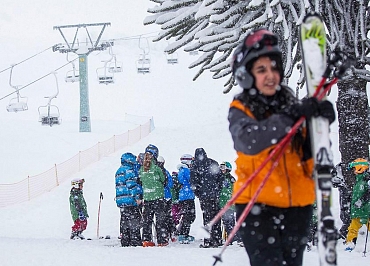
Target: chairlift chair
[
  {"x": 104, "y": 76},
  {"x": 195, "y": 52},
  {"x": 172, "y": 58},
  {"x": 115, "y": 67},
  {"x": 18, "y": 103},
  {"x": 49, "y": 114},
  {"x": 72, "y": 76},
  {"x": 143, "y": 64}
]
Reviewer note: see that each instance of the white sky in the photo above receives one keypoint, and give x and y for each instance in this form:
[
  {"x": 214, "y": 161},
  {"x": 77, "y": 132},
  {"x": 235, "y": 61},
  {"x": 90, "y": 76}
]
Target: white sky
[{"x": 187, "y": 115}]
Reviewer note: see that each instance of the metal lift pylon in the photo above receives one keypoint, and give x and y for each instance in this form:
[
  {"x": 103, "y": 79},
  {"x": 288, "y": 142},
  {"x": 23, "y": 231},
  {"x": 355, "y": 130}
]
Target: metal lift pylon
[{"x": 83, "y": 52}]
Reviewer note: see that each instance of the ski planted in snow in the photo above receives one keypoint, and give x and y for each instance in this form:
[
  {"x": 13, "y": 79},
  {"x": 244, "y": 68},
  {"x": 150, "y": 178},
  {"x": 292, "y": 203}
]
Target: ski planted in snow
[{"x": 313, "y": 47}]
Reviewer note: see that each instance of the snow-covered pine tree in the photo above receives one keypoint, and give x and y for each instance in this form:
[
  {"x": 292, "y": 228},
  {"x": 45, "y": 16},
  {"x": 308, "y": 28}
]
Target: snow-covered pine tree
[
  {"x": 216, "y": 27},
  {"x": 348, "y": 24}
]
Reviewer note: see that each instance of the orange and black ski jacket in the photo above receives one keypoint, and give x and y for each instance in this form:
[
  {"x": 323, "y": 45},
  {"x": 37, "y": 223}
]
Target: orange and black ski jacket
[{"x": 291, "y": 183}]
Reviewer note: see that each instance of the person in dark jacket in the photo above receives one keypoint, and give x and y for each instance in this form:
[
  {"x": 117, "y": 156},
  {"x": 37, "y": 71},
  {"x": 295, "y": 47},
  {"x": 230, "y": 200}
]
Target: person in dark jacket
[
  {"x": 206, "y": 181},
  {"x": 128, "y": 199},
  {"x": 78, "y": 208},
  {"x": 276, "y": 229}
]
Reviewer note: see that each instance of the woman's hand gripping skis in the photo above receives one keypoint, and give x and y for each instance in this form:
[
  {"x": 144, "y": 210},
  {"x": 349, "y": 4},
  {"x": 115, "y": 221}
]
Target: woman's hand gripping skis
[{"x": 336, "y": 68}]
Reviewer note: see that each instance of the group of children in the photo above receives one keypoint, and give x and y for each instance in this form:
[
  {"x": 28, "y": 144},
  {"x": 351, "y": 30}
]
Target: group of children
[{"x": 153, "y": 201}]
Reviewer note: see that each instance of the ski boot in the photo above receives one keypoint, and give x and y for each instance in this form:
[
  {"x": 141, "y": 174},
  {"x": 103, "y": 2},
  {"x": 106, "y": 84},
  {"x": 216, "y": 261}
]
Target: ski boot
[
  {"x": 148, "y": 244},
  {"x": 79, "y": 235}
]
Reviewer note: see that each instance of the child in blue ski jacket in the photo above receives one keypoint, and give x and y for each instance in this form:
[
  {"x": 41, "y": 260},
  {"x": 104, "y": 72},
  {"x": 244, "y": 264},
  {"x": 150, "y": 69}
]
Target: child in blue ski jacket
[
  {"x": 128, "y": 199},
  {"x": 186, "y": 200}
]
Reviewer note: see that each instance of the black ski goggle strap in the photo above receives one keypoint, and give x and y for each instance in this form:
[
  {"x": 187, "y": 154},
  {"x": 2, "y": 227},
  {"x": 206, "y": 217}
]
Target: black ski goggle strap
[{"x": 260, "y": 39}]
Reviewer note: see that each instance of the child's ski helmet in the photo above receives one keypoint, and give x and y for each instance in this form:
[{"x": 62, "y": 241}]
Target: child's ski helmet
[
  {"x": 76, "y": 182},
  {"x": 226, "y": 165},
  {"x": 153, "y": 150},
  {"x": 129, "y": 158},
  {"x": 186, "y": 159},
  {"x": 257, "y": 43},
  {"x": 360, "y": 165}
]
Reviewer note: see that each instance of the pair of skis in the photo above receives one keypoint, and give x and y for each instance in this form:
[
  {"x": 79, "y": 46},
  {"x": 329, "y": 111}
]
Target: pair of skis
[{"x": 318, "y": 73}]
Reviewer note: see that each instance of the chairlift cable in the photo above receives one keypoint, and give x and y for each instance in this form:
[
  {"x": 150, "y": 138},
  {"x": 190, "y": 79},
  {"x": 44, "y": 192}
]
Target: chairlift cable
[
  {"x": 26, "y": 59},
  {"x": 2, "y": 98}
]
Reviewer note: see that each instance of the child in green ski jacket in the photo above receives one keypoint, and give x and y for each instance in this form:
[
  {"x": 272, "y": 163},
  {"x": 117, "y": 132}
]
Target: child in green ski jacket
[
  {"x": 78, "y": 208},
  {"x": 228, "y": 219},
  {"x": 360, "y": 204}
]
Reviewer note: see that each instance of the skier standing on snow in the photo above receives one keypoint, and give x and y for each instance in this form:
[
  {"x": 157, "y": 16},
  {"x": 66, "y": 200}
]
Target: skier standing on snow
[
  {"x": 345, "y": 196},
  {"x": 186, "y": 200},
  {"x": 206, "y": 181},
  {"x": 175, "y": 209},
  {"x": 78, "y": 208},
  {"x": 360, "y": 204},
  {"x": 168, "y": 185},
  {"x": 152, "y": 179},
  {"x": 275, "y": 231},
  {"x": 228, "y": 219},
  {"x": 128, "y": 199}
]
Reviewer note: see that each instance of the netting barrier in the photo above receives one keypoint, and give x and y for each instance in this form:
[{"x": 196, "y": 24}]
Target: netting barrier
[{"x": 33, "y": 186}]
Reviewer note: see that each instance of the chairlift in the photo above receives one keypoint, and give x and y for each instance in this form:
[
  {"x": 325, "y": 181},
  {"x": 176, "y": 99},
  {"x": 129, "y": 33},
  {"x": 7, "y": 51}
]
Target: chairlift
[
  {"x": 18, "y": 103},
  {"x": 49, "y": 114},
  {"x": 72, "y": 75},
  {"x": 172, "y": 58},
  {"x": 104, "y": 75},
  {"x": 143, "y": 64},
  {"x": 115, "y": 67},
  {"x": 195, "y": 52}
]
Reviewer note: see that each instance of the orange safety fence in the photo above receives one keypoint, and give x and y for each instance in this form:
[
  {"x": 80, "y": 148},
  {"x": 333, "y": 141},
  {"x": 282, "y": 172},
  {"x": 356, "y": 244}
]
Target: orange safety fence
[{"x": 33, "y": 186}]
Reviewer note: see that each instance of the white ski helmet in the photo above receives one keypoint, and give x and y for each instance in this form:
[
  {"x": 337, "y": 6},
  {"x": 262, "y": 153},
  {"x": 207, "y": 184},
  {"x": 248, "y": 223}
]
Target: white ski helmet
[
  {"x": 76, "y": 182},
  {"x": 186, "y": 159},
  {"x": 160, "y": 159}
]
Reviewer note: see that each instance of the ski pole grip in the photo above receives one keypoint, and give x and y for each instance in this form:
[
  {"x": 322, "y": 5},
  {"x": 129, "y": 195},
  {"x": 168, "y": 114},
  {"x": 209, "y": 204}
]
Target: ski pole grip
[{"x": 101, "y": 195}]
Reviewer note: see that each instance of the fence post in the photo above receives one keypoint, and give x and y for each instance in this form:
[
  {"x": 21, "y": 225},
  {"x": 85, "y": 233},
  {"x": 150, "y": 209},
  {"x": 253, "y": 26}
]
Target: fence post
[{"x": 56, "y": 174}]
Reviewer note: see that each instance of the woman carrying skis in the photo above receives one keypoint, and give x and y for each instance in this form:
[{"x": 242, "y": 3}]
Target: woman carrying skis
[{"x": 275, "y": 232}]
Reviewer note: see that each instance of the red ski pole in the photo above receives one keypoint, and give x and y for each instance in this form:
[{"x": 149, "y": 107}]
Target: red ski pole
[{"x": 97, "y": 229}]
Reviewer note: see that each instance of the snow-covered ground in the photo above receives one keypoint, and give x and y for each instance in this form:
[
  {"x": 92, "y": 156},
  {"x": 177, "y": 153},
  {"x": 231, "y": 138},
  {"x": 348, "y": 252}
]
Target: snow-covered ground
[{"x": 187, "y": 115}]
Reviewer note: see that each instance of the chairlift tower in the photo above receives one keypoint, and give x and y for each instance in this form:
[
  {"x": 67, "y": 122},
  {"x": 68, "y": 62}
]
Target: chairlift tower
[{"x": 83, "y": 52}]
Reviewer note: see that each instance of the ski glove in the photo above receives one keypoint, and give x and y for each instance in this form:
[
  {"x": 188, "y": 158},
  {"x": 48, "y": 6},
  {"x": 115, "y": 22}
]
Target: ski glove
[
  {"x": 81, "y": 216},
  {"x": 308, "y": 108},
  {"x": 311, "y": 107},
  {"x": 326, "y": 110}
]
